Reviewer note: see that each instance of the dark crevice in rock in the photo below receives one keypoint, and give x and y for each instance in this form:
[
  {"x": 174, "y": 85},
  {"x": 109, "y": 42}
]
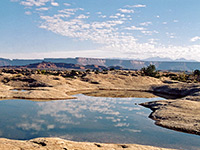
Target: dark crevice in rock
[
  {"x": 124, "y": 146},
  {"x": 98, "y": 145},
  {"x": 40, "y": 143}
]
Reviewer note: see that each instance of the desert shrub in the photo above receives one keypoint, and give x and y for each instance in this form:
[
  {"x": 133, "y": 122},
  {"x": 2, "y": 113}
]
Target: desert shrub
[
  {"x": 150, "y": 71},
  {"x": 196, "y": 72},
  {"x": 181, "y": 77},
  {"x": 6, "y": 80},
  {"x": 73, "y": 73},
  {"x": 96, "y": 72},
  {"x": 112, "y": 68},
  {"x": 87, "y": 71},
  {"x": 105, "y": 69},
  {"x": 43, "y": 71},
  {"x": 38, "y": 71}
]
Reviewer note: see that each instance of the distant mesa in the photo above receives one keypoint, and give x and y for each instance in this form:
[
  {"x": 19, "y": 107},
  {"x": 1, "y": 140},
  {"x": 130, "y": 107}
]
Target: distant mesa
[
  {"x": 44, "y": 65},
  {"x": 58, "y": 66},
  {"x": 96, "y": 63}
]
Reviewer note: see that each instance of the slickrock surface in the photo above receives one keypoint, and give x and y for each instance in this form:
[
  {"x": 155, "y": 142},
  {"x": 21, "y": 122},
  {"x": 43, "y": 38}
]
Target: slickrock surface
[
  {"x": 60, "y": 144},
  {"x": 181, "y": 113},
  {"x": 48, "y": 87}
]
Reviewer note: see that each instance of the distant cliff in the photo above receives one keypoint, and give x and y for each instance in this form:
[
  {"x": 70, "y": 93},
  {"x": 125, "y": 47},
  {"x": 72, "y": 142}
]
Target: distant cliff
[{"x": 129, "y": 64}]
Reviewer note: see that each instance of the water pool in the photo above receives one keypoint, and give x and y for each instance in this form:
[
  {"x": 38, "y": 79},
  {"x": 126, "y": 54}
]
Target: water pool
[{"x": 88, "y": 118}]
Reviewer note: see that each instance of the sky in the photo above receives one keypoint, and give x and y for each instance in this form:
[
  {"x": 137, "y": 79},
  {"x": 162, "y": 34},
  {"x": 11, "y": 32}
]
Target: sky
[{"x": 128, "y": 29}]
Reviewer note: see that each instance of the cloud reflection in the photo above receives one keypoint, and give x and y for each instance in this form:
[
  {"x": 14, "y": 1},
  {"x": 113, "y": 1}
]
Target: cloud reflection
[
  {"x": 29, "y": 126},
  {"x": 82, "y": 116},
  {"x": 85, "y": 107}
]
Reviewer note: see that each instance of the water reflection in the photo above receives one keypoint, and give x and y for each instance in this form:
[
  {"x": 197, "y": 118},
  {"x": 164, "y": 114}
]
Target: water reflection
[
  {"x": 84, "y": 108},
  {"x": 88, "y": 118}
]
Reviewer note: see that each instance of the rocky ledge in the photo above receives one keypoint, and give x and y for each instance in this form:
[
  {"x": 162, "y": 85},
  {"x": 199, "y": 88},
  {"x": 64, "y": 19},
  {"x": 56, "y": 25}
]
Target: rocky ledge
[
  {"x": 181, "y": 113},
  {"x": 60, "y": 144}
]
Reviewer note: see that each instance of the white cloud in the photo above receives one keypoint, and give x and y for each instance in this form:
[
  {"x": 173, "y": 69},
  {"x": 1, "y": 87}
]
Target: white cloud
[
  {"x": 28, "y": 13},
  {"x": 70, "y": 10},
  {"x": 126, "y": 10},
  {"x": 170, "y": 35},
  {"x": 146, "y": 23},
  {"x": 132, "y": 51},
  {"x": 99, "y": 13},
  {"x": 194, "y": 39},
  {"x": 82, "y": 17},
  {"x": 119, "y": 15},
  {"x": 38, "y": 3},
  {"x": 14, "y": 0},
  {"x": 113, "y": 17},
  {"x": 111, "y": 39},
  {"x": 27, "y": 3},
  {"x": 135, "y": 28},
  {"x": 43, "y": 8},
  {"x": 108, "y": 34},
  {"x": 67, "y": 4},
  {"x": 34, "y": 2},
  {"x": 135, "y": 6},
  {"x": 54, "y": 4},
  {"x": 66, "y": 12},
  {"x": 147, "y": 32},
  {"x": 102, "y": 16},
  {"x": 153, "y": 41}
]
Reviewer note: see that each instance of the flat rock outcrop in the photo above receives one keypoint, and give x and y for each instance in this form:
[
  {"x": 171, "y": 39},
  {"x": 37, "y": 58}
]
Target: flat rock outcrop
[
  {"x": 60, "y": 144},
  {"x": 44, "y": 87},
  {"x": 181, "y": 114}
]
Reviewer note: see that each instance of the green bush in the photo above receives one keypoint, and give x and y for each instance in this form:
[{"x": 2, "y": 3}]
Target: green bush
[
  {"x": 196, "y": 72},
  {"x": 150, "y": 71},
  {"x": 43, "y": 71},
  {"x": 87, "y": 71},
  {"x": 112, "y": 69}
]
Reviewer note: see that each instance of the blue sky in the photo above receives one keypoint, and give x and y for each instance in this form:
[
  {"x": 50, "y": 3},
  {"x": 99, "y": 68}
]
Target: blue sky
[{"x": 134, "y": 29}]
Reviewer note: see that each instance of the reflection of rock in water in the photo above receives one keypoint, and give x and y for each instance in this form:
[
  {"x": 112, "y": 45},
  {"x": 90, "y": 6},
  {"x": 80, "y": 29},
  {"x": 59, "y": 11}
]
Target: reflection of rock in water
[{"x": 119, "y": 93}]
